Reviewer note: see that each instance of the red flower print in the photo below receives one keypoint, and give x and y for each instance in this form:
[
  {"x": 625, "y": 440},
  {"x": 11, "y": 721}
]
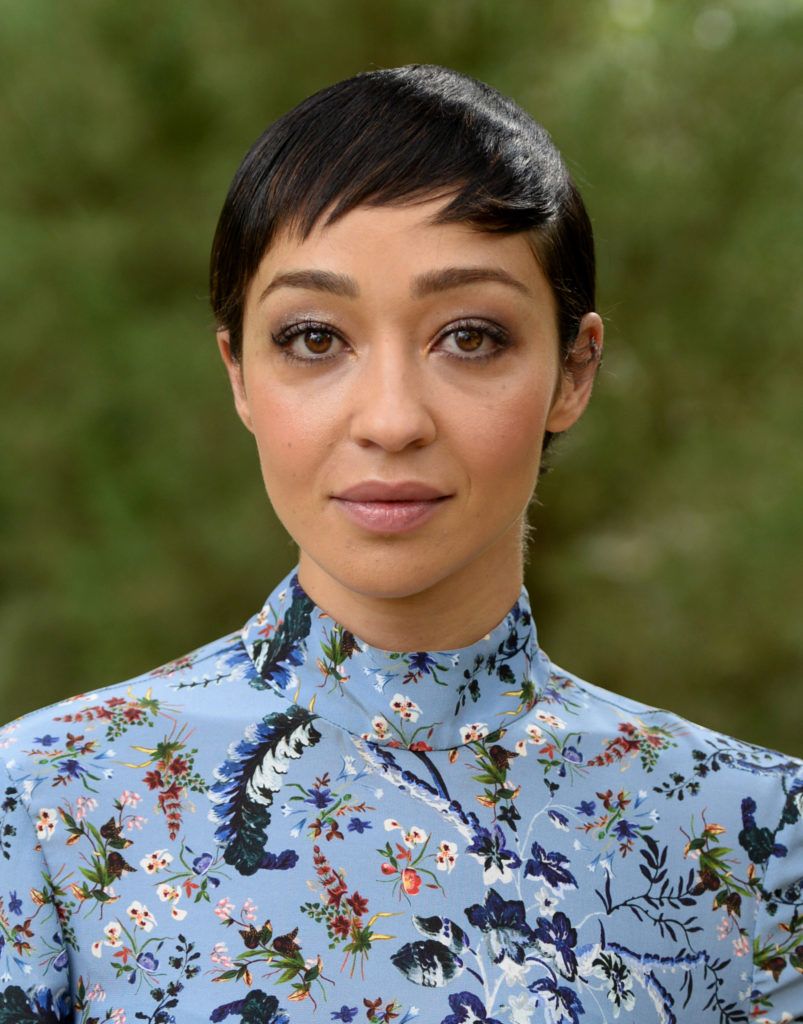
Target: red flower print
[
  {"x": 359, "y": 904},
  {"x": 411, "y": 881}
]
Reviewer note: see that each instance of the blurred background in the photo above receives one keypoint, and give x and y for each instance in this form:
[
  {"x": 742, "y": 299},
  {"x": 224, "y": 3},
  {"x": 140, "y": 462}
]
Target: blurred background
[{"x": 666, "y": 558}]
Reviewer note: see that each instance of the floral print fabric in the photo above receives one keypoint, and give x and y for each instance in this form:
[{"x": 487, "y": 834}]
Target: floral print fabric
[{"x": 289, "y": 825}]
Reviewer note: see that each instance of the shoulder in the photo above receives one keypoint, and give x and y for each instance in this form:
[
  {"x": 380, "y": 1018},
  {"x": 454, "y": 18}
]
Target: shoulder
[
  {"x": 688, "y": 755},
  {"x": 61, "y": 739}
]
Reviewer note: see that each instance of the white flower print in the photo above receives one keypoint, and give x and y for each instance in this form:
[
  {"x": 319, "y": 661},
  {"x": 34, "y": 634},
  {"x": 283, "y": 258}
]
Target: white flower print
[
  {"x": 141, "y": 916},
  {"x": 473, "y": 732},
  {"x": 416, "y": 836},
  {"x": 156, "y": 861},
  {"x": 46, "y": 822},
  {"x": 551, "y": 720},
  {"x": 381, "y": 726},
  {"x": 446, "y": 857},
  {"x": 167, "y": 892},
  {"x": 405, "y": 708}
]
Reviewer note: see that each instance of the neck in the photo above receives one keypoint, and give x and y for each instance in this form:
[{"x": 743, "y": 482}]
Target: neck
[{"x": 443, "y": 614}]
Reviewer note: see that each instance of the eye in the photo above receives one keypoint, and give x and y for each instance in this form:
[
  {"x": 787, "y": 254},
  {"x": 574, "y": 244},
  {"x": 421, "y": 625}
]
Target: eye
[
  {"x": 316, "y": 341},
  {"x": 470, "y": 337}
]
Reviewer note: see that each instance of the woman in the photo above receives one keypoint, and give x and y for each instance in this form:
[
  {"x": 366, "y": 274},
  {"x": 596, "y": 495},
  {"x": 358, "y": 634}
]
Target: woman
[{"x": 380, "y": 800}]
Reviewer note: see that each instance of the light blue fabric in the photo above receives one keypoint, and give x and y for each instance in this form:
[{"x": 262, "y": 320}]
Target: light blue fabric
[{"x": 289, "y": 825}]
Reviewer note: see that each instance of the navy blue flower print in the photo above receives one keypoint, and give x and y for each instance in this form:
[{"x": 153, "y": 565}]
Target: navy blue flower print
[{"x": 550, "y": 868}]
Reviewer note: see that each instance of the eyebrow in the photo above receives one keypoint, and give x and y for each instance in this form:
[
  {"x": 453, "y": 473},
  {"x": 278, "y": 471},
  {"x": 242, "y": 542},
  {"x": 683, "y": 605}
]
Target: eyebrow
[{"x": 429, "y": 283}]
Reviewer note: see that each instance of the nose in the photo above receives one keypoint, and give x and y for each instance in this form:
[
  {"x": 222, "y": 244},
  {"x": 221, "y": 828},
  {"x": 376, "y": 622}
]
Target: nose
[{"x": 391, "y": 406}]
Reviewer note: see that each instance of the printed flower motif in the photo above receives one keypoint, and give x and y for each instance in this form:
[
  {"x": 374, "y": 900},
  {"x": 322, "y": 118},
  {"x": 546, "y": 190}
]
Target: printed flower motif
[
  {"x": 220, "y": 956},
  {"x": 558, "y": 820},
  {"x": 612, "y": 969},
  {"x": 562, "y": 1002},
  {"x": 113, "y": 931},
  {"x": 558, "y": 932},
  {"x": 505, "y": 926},
  {"x": 224, "y": 908},
  {"x": 416, "y": 836},
  {"x": 381, "y": 726},
  {"x": 156, "y": 861},
  {"x": 411, "y": 881},
  {"x": 405, "y": 708},
  {"x": 551, "y": 720},
  {"x": 83, "y": 806},
  {"x": 171, "y": 893},
  {"x": 468, "y": 1009},
  {"x": 741, "y": 946},
  {"x": 473, "y": 732},
  {"x": 520, "y": 747},
  {"x": 446, "y": 857},
  {"x": 46, "y": 822},
  {"x": 549, "y": 867},
  {"x": 129, "y": 799},
  {"x": 535, "y": 734},
  {"x": 490, "y": 849},
  {"x": 141, "y": 916}
]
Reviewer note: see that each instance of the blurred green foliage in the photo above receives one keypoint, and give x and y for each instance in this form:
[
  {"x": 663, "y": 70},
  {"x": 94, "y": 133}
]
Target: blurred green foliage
[{"x": 666, "y": 559}]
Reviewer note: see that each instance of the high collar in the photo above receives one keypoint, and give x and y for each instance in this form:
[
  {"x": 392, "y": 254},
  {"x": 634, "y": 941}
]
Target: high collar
[{"x": 424, "y": 700}]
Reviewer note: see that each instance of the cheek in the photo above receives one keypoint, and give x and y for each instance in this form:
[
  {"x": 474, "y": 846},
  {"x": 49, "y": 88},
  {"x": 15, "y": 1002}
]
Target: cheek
[
  {"x": 502, "y": 440},
  {"x": 292, "y": 437}
]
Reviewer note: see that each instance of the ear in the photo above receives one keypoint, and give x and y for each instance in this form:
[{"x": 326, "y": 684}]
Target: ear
[
  {"x": 577, "y": 373},
  {"x": 234, "y": 369}
]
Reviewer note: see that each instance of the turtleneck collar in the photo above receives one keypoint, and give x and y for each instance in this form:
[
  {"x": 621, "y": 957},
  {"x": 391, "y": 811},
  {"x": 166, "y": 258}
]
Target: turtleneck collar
[{"x": 424, "y": 700}]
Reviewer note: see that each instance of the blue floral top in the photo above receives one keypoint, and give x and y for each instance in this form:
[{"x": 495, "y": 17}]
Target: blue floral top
[{"x": 289, "y": 825}]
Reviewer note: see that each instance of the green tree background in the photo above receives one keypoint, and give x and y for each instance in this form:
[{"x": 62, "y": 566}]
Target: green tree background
[{"x": 666, "y": 559}]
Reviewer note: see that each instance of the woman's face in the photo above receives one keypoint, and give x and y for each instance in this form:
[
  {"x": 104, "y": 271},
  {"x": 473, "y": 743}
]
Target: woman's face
[{"x": 386, "y": 349}]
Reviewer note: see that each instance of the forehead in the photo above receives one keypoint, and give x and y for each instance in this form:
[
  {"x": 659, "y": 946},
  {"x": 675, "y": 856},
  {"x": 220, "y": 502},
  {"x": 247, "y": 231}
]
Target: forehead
[{"x": 399, "y": 248}]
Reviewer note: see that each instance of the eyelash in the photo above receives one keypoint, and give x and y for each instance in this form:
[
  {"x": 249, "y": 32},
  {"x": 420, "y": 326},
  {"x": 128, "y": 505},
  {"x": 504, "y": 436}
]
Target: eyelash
[{"x": 287, "y": 334}]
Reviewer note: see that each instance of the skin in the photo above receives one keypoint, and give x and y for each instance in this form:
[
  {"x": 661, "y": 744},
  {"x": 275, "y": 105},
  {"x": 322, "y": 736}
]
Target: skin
[{"x": 394, "y": 400}]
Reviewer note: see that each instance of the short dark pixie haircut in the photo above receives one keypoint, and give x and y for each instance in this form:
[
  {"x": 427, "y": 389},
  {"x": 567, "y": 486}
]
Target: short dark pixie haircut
[{"x": 401, "y": 134}]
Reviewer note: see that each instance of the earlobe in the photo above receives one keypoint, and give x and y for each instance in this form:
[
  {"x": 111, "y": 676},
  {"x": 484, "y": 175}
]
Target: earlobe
[{"x": 234, "y": 369}]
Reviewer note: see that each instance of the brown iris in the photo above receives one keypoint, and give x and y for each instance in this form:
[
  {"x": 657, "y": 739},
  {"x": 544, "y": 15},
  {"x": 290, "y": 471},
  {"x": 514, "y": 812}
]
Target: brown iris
[
  {"x": 473, "y": 335},
  {"x": 317, "y": 341}
]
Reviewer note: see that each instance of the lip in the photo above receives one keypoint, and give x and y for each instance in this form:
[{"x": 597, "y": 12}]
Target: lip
[
  {"x": 384, "y": 491},
  {"x": 390, "y": 516}
]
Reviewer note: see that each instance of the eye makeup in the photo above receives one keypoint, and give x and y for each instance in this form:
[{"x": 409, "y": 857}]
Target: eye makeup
[{"x": 312, "y": 331}]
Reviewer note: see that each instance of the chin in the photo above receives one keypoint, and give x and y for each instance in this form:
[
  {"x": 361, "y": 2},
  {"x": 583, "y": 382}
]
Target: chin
[{"x": 393, "y": 573}]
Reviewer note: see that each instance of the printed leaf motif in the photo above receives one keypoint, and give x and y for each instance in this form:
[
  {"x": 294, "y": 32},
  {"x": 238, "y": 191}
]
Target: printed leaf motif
[
  {"x": 275, "y": 656},
  {"x": 248, "y": 781},
  {"x": 446, "y": 931},
  {"x": 16, "y": 1008},
  {"x": 256, "y": 1008},
  {"x": 428, "y": 963}
]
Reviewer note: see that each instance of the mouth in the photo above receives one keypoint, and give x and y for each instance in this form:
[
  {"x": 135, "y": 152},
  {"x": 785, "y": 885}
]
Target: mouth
[{"x": 395, "y": 516}]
